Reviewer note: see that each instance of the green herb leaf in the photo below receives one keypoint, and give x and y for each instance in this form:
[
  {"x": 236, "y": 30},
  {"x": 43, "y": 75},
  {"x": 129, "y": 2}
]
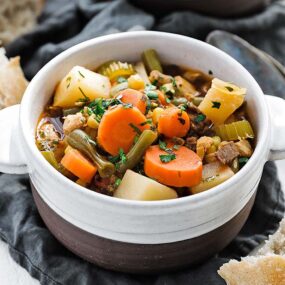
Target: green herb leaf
[
  {"x": 85, "y": 99},
  {"x": 121, "y": 79},
  {"x": 216, "y": 104},
  {"x": 80, "y": 73},
  {"x": 68, "y": 80},
  {"x": 165, "y": 158},
  {"x": 154, "y": 82},
  {"x": 135, "y": 128},
  {"x": 200, "y": 118},
  {"x": 117, "y": 182},
  {"x": 162, "y": 145},
  {"x": 123, "y": 157},
  {"x": 229, "y": 88},
  {"x": 173, "y": 81}
]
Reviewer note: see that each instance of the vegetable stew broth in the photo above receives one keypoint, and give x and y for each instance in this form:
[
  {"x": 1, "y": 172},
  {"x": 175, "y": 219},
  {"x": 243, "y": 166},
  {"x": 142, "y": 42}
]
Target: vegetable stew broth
[{"x": 145, "y": 131}]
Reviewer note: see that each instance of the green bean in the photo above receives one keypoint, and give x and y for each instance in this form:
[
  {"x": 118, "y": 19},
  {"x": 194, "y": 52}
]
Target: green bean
[
  {"x": 81, "y": 141},
  {"x": 134, "y": 156},
  {"x": 49, "y": 156},
  {"x": 71, "y": 111},
  {"x": 179, "y": 100},
  {"x": 151, "y": 60}
]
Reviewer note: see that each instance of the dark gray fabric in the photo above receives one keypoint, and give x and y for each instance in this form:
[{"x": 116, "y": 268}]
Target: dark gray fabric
[{"x": 65, "y": 23}]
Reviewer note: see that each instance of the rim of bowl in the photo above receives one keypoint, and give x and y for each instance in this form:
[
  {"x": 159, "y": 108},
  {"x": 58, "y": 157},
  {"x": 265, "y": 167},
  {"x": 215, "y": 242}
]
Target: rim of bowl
[{"x": 258, "y": 155}]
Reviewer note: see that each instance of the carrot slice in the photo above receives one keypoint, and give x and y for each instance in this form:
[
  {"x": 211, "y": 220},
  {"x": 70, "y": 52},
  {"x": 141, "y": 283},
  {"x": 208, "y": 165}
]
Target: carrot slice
[
  {"x": 185, "y": 170},
  {"x": 173, "y": 122},
  {"x": 77, "y": 164},
  {"x": 134, "y": 97},
  {"x": 118, "y": 128}
]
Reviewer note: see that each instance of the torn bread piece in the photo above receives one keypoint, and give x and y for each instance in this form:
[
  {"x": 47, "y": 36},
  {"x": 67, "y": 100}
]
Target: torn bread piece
[
  {"x": 12, "y": 80},
  {"x": 267, "y": 267}
]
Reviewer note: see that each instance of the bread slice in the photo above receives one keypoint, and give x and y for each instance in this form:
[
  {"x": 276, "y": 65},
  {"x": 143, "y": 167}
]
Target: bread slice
[
  {"x": 12, "y": 80},
  {"x": 18, "y": 17},
  {"x": 267, "y": 267}
]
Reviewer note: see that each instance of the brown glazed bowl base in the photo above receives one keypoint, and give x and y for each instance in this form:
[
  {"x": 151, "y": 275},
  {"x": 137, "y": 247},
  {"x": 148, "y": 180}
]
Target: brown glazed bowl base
[{"x": 140, "y": 258}]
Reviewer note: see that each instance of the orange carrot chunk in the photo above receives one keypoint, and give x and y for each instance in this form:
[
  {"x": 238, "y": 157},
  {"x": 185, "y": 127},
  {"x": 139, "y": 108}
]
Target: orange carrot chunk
[
  {"x": 134, "y": 97},
  {"x": 77, "y": 164},
  {"x": 184, "y": 169},
  {"x": 118, "y": 128},
  {"x": 173, "y": 122}
]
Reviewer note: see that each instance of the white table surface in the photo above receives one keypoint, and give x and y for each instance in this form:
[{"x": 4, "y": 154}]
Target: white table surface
[{"x": 12, "y": 274}]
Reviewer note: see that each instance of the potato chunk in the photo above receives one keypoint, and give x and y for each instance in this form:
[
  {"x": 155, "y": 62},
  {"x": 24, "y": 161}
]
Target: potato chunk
[
  {"x": 135, "y": 186},
  {"x": 81, "y": 84},
  {"x": 213, "y": 174},
  {"x": 221, "y": 101}
]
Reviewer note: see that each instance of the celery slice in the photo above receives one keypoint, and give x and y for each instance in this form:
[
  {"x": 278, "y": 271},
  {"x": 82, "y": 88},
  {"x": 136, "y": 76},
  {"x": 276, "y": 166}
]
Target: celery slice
[
  {"x": 235, "y": 131},
  {"x": 115, "y": 69},
  {"x": 151, "y": 60}
]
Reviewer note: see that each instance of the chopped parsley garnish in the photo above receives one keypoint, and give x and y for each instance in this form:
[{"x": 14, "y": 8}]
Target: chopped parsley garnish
[
  {"x": 229, "y": 88},
  {"x": 154, "y": 82},
  {"x": 242, "y": 161},
  {"x": 135, "y": 128},
  {"x": 80, "y": 73},
  {"x": 117, "y": 182},
  {"x": 173, "y": 81},
  {"x": 121, "y": 79},
  {"x": 216, "y": 104},
  {"x": 123, "y": 157},
  {"x": 85, "y": 99},
  {"x": 149, "y": 121},
  {"x": 118, "y": 159},
  {"x": 162, "y": 145},
  {"x": 200, "y": 118},
  {"x": 165, "y": 158},
  {"x": 152, "y": 95},
  {"x": 68, "y": 80}
]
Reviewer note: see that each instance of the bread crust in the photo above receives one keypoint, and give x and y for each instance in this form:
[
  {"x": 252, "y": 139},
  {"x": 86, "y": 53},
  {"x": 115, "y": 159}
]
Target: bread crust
[{"x": 266, "y": 268}]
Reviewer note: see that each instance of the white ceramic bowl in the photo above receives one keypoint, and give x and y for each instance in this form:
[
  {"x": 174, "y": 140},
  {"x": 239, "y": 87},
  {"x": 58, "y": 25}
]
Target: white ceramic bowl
[{"x": 134, "y": 222}]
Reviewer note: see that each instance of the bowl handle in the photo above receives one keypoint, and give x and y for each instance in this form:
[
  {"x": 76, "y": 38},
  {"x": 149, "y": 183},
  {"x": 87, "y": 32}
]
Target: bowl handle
[
  {"x": 11, "y": 156},
  {"x": 277, "y": 113}
]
